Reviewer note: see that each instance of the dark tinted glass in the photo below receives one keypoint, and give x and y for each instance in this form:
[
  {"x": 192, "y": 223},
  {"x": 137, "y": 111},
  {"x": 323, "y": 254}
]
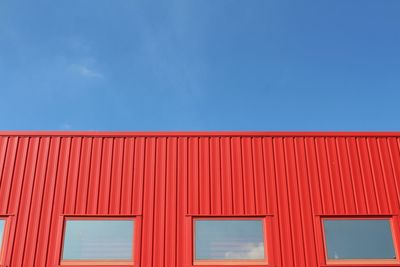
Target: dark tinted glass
[
  {"x": 359, "y": 239},
  {"x": 98, "y": 240},
  {"x": 229, "y": 239}
]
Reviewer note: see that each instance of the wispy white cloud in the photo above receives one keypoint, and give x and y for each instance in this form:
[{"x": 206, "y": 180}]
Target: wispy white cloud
[
  {"x": 85, "y": 71},
  {"x": 247, "y": 251}
]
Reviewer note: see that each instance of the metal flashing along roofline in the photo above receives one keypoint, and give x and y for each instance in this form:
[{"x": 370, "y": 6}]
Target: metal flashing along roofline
[{"x": 198, "y": 134}]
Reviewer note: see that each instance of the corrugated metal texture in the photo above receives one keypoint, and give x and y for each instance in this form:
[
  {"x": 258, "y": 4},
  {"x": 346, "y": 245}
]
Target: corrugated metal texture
[{"x": 166, "y": 179}]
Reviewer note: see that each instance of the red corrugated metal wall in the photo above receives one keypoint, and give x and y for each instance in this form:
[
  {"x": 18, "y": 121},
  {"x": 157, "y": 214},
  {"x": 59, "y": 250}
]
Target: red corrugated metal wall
[{"x": 165, "y": 178}]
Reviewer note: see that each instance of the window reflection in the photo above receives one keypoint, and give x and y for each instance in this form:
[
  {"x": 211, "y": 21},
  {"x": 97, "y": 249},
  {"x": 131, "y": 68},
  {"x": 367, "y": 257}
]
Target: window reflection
[
  {"x": 359, "y": 239},
  {"x": 229, "y": 240},
  {"x": 2, "y": 224},
  {"x": 98, "y": 240}
]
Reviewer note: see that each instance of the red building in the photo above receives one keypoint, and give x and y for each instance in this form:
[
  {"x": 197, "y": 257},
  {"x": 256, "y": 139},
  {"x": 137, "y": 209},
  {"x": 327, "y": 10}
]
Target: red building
[{"x": 187, "y": 199}]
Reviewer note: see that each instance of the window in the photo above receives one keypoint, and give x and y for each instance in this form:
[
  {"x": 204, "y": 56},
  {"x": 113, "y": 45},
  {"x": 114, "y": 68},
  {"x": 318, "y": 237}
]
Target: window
[
  {"x": 98, "y": 241},
  {"x": 229, "y": 241},
  {"x": 359, "y": 240},
  {"x": 2, "y": 226},
  {"x": 4, "y": 237}
]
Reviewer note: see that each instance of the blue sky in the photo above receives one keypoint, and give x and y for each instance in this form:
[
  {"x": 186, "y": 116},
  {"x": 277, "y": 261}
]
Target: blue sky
[{"x": 272, "y": 65}]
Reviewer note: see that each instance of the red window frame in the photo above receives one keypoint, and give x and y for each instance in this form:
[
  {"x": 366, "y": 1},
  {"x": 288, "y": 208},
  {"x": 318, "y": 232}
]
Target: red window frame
[
  {"x": 394, "y": 227},
  {"x": 267, "y": 237},
  {"x": 109, "y": 263}
]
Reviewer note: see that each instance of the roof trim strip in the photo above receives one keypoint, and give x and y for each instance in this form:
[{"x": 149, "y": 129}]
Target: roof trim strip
[{"x": 195, "y": 134}]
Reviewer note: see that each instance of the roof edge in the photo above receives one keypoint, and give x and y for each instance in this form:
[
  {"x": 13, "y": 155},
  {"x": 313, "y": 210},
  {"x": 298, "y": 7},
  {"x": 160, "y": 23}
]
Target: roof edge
[{"x": 197, "y": 134}]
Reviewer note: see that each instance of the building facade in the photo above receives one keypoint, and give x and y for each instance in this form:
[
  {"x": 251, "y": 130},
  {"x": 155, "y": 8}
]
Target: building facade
[{"x": 210, "y": 199}]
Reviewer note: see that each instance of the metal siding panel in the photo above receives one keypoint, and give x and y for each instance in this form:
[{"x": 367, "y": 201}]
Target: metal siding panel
[
  {"x": 159, "y": 203},
  {"x": 138, "y": 173},
  {"x": 48, "y": 201},
  {"x": 148, "y": 202},
  {"x": 296, "y": 221},
  {"x": 3, "y": 153},
  {"x": 94, "y": 179},
  {"x": 268, "y": 151},
  {"x": 334, "y": 176},
  {"x": 285, "y": 227},
  {"x": 379, "y": 181},
  {"x": 259, "y": 176},
  {"x": 17, "y": 183},
  {"x": 24, "y": 208},
  {"x": 127, "y": 176},
  {"x": 72, "y": 177},
  {"x": 215, "y": 176},
  {"x": 83, "y": 177},
  {"x": 18, "y": 176},
  {"x": 325, "y": 180},
  {"x": 204, "y": 176},
  {"x": 346, "y": 177},
  {"x": 193, "y": 176},
  {"x": 306, "y": 203},
  {"x": 226, "y": 176},
  {"x": 366, "y": 176},
  {"x": 8, "y": 171},
  {"x": 388, "y": 175},
  {"x": 105, "y": 176},
  {"x": 36, "y": 202},
  {"x": 171, "y": 204},
  {"x": 313, "y": 173},
  {"x": 395, "y": 164},
  {"x": 58, "y": 204},
  {"x": 166, "y": 178},
  {"x": 237, "y": 176},
  {"x": 355, "y": 170},
  {"x": 182, "y": 257},
  {"x": 116, "y": 176},
  {"x": 248, "y": 176},
  {"x": 316, "y": 192}
]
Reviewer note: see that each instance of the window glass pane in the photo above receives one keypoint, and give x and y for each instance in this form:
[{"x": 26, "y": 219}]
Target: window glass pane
[
  {"x": 2, "y": 223},
  {"x": 359, "y": 239},
  {"x": 229, "y": 239},
  {"x": 98, "y": 240}
]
